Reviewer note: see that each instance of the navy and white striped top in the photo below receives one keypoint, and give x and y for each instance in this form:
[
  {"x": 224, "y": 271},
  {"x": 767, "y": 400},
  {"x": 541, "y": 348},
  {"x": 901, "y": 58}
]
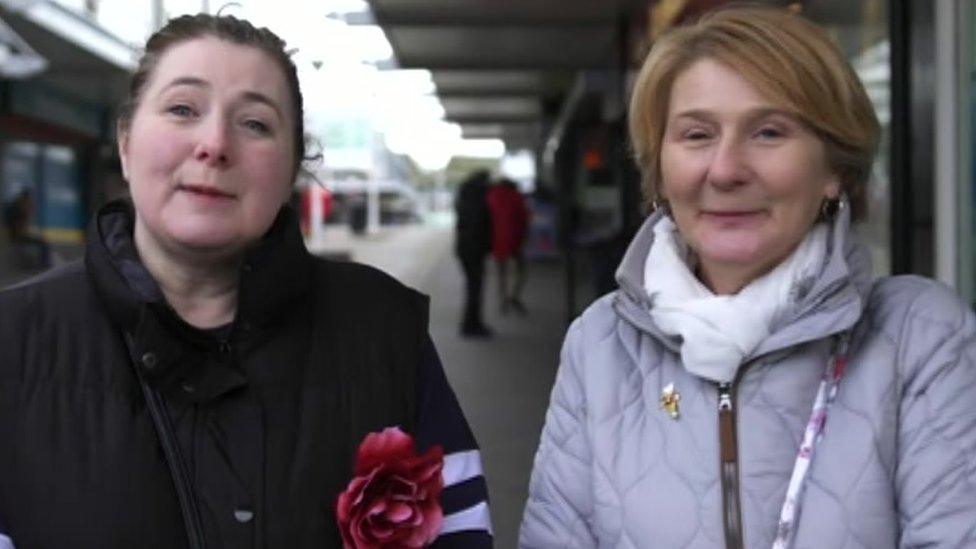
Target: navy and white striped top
[{"x": 467, "y": 523}]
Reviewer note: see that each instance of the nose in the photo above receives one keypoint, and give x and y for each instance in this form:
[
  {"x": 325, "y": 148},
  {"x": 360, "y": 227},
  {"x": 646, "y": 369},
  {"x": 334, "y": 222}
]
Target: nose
[
  {"x": 213, "y": 144},
  {"x": 728, "y": 168}
]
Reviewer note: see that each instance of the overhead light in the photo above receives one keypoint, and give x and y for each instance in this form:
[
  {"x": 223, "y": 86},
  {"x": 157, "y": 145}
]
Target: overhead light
[{"x": 17, "y": 58}]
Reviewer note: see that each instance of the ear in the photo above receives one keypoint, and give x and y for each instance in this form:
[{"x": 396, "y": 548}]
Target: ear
[
  {"x": 122, "y": 141},
  {"x": 832, "y": 188}
]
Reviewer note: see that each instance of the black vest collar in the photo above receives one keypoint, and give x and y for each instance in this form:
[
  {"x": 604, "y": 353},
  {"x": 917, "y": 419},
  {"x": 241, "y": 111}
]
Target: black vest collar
[{"x": 276, "y": 277}]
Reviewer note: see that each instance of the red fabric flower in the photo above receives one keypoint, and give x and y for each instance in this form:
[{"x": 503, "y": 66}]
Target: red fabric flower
[{"x": 393, "y": 502}]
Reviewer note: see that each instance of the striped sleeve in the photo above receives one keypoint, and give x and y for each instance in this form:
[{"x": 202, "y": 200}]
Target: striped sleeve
[
  {"x": 5, "y": 541},
  {"x": 440, "y": 421}
]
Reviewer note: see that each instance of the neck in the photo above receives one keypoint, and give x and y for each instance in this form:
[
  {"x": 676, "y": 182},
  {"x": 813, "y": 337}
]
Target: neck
[
  {"x": 727, "y": 280},
  {"x": 201, "y": 288}
]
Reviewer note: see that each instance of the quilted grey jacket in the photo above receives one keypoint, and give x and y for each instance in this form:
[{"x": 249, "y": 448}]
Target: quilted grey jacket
[{"x": 896, "y": 466}]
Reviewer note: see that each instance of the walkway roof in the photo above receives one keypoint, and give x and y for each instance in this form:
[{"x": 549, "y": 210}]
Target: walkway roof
[{"x": 497, "y": 62}]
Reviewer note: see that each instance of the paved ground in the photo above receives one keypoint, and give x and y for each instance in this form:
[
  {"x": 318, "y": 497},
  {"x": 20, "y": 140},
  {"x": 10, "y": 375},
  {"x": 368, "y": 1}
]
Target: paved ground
[{"x": 503, "y": 383}]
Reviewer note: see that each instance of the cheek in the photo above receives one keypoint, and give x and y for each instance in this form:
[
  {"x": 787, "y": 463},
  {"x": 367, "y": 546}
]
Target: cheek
[
  {"x": 679, "y": 172},
  {"x": 152, "y": 155},
  {"x": 271, "y": 168},
  {"x": 801, "y": 176}
]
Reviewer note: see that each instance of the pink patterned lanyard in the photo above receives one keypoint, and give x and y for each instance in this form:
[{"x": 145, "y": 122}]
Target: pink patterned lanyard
[{"x": 811, "y": 436}]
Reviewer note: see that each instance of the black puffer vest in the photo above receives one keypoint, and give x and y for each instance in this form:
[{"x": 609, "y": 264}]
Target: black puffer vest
[{"x": 122, "y": 426}]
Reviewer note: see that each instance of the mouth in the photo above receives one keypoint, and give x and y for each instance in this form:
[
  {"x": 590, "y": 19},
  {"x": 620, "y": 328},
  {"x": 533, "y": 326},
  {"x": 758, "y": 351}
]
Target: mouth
[
  {"x": 730, "y": 213},
  {"x": 731, "y": 216},
  {"x": 206, "y": 191}
]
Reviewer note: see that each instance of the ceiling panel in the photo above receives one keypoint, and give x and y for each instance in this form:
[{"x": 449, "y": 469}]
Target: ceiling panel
[
  {"x": 491, "y": 108},
  {"x": 482, "y": 82},
  {"x": 492, "y": 12},
  {"x": 501, "y": 47},
  {"x": 496, "y": 62},
  {"x": 485, "y": 130}
]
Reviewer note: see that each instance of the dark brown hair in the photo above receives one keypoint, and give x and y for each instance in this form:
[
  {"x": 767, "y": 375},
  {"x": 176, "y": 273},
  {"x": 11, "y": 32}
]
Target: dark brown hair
[{"x": 230, "y": 29}]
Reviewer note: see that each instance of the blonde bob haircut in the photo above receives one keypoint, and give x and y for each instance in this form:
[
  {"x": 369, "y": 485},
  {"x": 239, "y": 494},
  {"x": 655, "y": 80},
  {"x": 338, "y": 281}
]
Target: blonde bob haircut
[{"x": 791, "y": 60}]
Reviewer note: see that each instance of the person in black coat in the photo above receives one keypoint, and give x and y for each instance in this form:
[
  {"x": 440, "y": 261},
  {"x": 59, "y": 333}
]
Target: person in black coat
[
  {"x": 472, "y": 245},
  {"x": 200, "y": 380}
]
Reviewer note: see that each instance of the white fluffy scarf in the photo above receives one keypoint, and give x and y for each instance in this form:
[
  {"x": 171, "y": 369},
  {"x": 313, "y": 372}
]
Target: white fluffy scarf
[{"x": 717, "y": 332}]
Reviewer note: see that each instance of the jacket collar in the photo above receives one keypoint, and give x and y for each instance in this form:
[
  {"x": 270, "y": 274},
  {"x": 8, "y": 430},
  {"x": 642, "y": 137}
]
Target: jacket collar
[
  {"x": 832, "y": 305},
  {"x": 276, "y": 275}
]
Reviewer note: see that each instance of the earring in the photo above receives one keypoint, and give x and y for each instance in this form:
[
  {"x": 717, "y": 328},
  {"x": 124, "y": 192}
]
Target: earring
[
  {"x": 661, "y": 204},
  {"x": 830, "y": 207}
]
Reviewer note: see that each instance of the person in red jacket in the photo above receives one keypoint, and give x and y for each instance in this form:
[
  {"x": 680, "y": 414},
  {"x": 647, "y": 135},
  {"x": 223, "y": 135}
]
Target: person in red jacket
[{"x": 509, "y": 223}]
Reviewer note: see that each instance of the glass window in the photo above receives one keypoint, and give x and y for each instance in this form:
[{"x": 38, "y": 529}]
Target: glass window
[
  {"x": 861, "y": 29},
  {"x": 966, "y": 235}
]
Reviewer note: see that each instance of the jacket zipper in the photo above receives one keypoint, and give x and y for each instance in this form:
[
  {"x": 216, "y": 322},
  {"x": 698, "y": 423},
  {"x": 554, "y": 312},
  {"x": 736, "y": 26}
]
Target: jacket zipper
[
  {"x": 729, "y": 467},
  {"x": 174, "y": 458},
  {"x": 177, "y": 467}
]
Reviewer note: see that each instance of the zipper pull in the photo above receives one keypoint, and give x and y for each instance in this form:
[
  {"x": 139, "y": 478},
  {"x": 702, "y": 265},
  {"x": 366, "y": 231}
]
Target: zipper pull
[
  {"x": 726, "y": 424},
  {"x": 724, "y": 397},
  {"x": 729, "y": 467}
]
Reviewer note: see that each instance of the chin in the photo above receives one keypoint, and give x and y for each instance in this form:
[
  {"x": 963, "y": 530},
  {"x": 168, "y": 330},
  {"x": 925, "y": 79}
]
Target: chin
[
  {"x": 739, "y": 254},
  {"x": 207, "y": 239}
]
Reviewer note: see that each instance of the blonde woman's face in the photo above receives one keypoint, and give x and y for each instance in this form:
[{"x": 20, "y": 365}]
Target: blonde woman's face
[{"x": 744, "y": 178}]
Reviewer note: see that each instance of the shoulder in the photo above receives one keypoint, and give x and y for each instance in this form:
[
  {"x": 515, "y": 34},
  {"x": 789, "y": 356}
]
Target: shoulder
[
  {"x": 598, "y": 334},
  {"x": 927, "y": 323},
  {"x": 348, "y": 276},
  {"x": 350, "y": 286},
  {"x": 598, "y": 321},
  {"x": 57, "y": 287},
  {"x": 58, "y": 301},
  {"x": 908, "y": 300}
]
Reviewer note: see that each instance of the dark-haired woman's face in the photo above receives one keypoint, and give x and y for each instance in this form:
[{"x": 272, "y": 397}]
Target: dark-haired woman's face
[{"x": 209, "y": 153}]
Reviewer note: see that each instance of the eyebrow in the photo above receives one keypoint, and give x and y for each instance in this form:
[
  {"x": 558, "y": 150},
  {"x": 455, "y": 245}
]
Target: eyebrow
[
  {"x": 249, "y": 96},
  {"x": 755, "y": 114}
]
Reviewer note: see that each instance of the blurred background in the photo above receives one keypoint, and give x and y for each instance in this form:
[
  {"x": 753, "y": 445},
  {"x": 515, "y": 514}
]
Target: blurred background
[{"x": 404, "y": 98}]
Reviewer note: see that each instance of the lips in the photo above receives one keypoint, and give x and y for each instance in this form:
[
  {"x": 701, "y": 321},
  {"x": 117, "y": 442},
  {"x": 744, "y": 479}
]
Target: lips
[
  {"x": 732, "y": 217},
  {"x": 730, "y": 213},
  {"x": 206, "y": 191}
]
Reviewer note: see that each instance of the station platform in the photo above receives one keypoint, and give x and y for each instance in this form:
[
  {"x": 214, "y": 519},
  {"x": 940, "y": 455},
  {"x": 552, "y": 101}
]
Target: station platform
[{"x": 503, "y": 383}]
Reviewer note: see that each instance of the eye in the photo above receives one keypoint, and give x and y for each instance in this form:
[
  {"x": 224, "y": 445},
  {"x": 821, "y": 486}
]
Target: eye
[
  {"x": 180, "y": 110},
  {"x": 257, "y": 126},
  {"x": 695, "y": 135},
  {"x": 770, "y": 132}
]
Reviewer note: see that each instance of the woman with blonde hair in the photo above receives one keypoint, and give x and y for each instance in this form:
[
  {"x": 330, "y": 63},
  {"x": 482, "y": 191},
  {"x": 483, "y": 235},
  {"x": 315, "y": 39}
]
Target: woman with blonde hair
[{"x": 750, "y": 384}]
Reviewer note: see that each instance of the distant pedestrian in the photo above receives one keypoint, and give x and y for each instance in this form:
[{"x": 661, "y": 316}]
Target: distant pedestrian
[
  {"x": 18, "y": 218},
  {"x": 509, "y": 222},
  {"x": 472, "y": 245}
]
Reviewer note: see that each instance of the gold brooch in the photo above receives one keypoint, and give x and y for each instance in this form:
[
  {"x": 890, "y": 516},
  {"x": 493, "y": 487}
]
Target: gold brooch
[{"x": 669, "y": 400}]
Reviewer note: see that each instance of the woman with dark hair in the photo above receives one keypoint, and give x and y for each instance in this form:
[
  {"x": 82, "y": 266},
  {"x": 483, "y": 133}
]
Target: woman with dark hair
[
  {"x": 200, "y": 380},
  {"x": 750, "y": 384}
]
